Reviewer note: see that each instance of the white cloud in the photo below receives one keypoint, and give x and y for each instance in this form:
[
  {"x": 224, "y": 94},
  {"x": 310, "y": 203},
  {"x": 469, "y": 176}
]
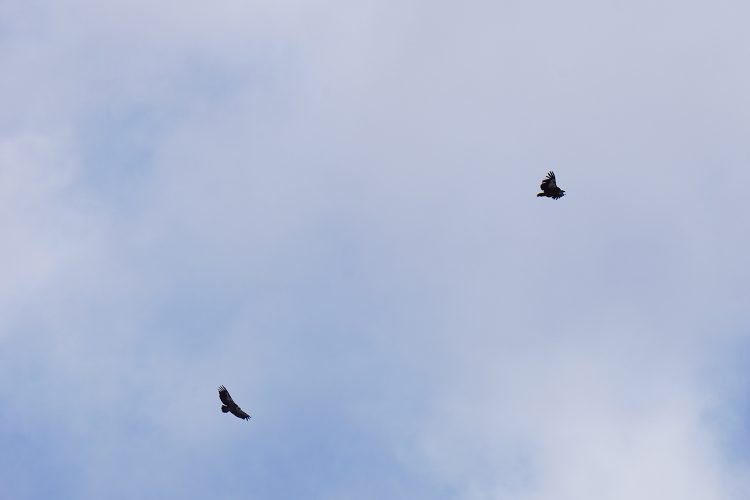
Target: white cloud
[{"x": 330, "y": 209}]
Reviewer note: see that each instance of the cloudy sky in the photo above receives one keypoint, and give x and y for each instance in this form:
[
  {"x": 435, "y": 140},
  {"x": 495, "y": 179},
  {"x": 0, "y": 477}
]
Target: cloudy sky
[{"x": 329, "y": 207}]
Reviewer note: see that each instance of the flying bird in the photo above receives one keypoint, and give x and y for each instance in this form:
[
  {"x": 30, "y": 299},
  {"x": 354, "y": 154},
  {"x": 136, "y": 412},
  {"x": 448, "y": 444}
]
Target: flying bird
[
  {"x": 229, "y": 404},
  {"x": 549, "y": 187}
]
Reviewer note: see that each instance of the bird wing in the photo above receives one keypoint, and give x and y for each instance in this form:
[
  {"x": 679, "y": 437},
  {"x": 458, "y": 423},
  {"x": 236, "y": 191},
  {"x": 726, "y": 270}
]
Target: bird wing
[
  {"x": 225, "y": 397},
  {"x": 550, "y": 182},
  {"x": 559, "y": 193},
  {"x": 237, "y": 412}
]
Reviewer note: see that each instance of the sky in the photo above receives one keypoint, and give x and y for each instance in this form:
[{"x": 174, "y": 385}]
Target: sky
[{"x": 329, "y": 207}]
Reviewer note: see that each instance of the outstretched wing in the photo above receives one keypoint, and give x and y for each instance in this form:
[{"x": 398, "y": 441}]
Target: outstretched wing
[
  {"x": 225, "y": 397},
  {"x": 550, "y": 183},
  {"x": 237, "y": 412}
]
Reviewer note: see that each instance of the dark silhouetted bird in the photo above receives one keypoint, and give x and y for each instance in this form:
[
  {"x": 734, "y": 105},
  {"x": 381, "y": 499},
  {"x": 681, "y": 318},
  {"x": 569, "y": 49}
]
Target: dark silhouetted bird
[
  {"x": 549, "y": 187},
  {"x": 229, "y": 404}
]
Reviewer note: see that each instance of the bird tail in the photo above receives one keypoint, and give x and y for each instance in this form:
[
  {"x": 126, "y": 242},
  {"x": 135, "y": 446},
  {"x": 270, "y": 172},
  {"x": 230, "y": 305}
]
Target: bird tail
[{"x": 224, "y": 408}]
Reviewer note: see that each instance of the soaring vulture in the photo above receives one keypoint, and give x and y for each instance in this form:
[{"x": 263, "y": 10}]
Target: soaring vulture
[
  {"x": 230, "y": 405},
  {"x": 549, "y": 187}
]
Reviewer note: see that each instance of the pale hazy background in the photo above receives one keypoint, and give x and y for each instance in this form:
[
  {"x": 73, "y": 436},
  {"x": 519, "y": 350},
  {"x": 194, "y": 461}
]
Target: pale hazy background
[{"x": 329, "y": 207}]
